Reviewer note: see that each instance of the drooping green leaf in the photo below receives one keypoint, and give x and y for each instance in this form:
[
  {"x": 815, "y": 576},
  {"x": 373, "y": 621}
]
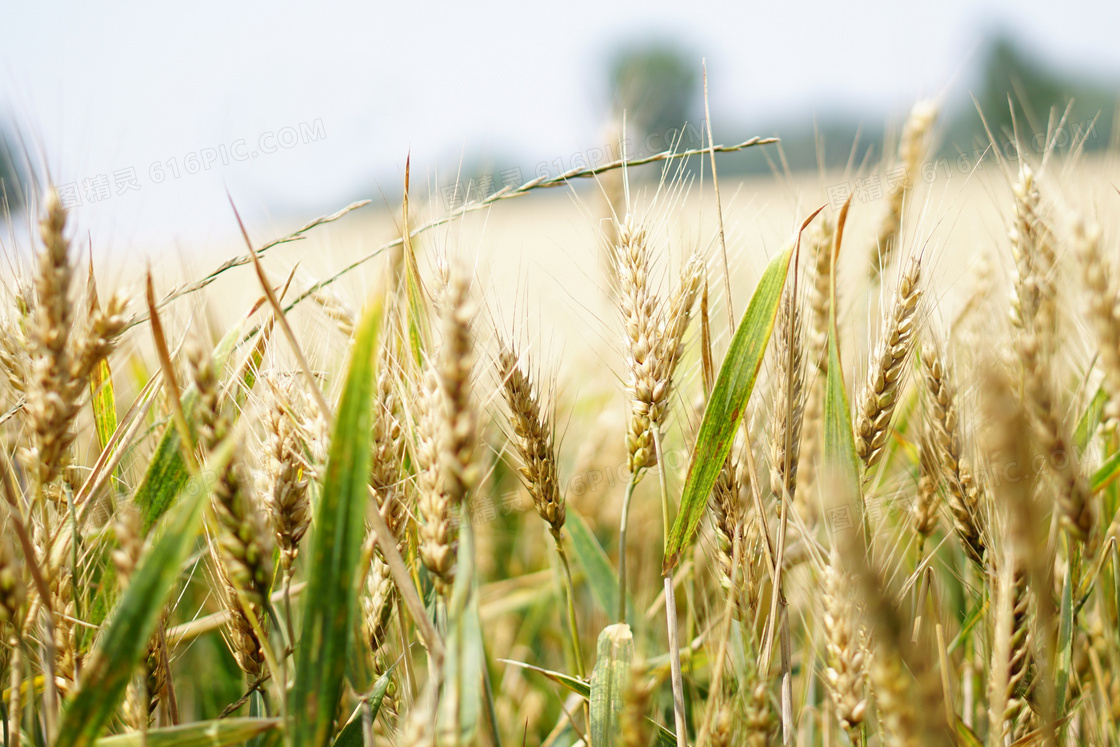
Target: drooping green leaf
[
  {"x": 1089, "y": 420},
  {"x": 331, "y": 596},
  {"x": 583, "y": 689},
  {"x": 217, "y": 733},
  {"x": 839, "y": 440},
  {"x": 460, "y": 701},
  {"x": 966, "y": 737},
  {"x": 251, "y": 368},
  {"x": 840, "y": 453},
  {"x": 125, "y": 637},
  {"x": 610, "y": 681},
  {"x": 167, "y": 472},
  {"x": 601, "y": 575},
  {"x": 1065, "y": 647},
  {"x": 1107, "y": 472},
  {"x": 103, "y": 398},
  {"x": 351, "y": 734},
  {"x": 575, "y": 684},
  {"x": 726, "y": 405},
  {"x": 101, "y": 394}
]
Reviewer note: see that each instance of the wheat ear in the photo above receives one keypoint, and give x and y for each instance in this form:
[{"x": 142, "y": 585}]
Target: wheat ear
[
  {"x": 242, "y": 540},
  {"x": 726, "y": 508},
  {"x": 945, "y": 431},
  {"x": 880, "y": 392},
  {"x": 285, "y": 495},
  {"x": 436, "y": 533},
  {"x": 789, "y": 401},
  {"x": 61, "y": 354},
  {"x": 912, "y": 150},
  {"x": 1104, "y": 312},
  {"x": 453, "y": 366},
  {"x": 533, "y": 426},
  {"x": 846, "y": 644},
  {"x": 816, "y": 353}
]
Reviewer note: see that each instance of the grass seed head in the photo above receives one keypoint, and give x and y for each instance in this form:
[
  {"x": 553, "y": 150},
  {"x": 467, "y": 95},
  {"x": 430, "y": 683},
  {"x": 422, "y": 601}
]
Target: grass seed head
[{"x": 533, "y": 427}]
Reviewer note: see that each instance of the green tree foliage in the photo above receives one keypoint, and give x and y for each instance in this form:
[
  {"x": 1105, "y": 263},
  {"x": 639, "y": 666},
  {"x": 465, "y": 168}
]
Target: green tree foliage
[{"x": 657, "y": 86}]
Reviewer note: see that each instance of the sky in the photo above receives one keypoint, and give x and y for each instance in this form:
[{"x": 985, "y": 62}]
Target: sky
[{"x": 297, "y": 108}]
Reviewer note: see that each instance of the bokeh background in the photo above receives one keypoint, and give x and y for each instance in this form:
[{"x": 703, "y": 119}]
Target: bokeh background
[{"x": 298, "y": 108}]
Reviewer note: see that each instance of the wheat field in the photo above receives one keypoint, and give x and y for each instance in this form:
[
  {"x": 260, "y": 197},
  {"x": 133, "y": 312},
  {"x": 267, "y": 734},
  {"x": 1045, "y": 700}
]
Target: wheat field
[{"x": 629, "y": 461}]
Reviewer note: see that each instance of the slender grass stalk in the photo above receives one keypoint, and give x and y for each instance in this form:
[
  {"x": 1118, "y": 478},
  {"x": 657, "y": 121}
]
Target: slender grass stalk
[
  {"x": 671, "y": 606},
  {"x": 633, "y": 482},
  {"x": 15, "y": 709},
  {"x": 573, "y": 625}
]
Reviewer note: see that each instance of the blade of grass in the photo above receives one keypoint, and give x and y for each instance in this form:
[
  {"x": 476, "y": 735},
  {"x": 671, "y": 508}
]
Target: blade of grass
[
  {"x": 332, "y": 595},
  {"x": 601, "y": 576},
  {"x": 574, "y": 684},
  {"x": 102, "y": 395},
  {"x": 125, "y": 637},
  {"x": 609, "y": 682},
  {"x": 418, "y": 322},
  {"x": 217, "y": 733},
  {"x": 1106, "y": 473},
  {"x": 506, "y": 193},
  {"x": 167, "y": 474},
  {"x": 242, "y": 260},
  {"x": 1065, "y": 648},
  {"x": 1089, "y": 420},
  {"x": 351, "y": 734},
  {"x": 583, "y": 689},
  {"x": 726, "y": 405},
  {"x": 839, "y": 439}
]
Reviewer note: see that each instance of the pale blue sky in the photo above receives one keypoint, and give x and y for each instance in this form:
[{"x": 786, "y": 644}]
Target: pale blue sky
[{"x": 105, "y": 87}]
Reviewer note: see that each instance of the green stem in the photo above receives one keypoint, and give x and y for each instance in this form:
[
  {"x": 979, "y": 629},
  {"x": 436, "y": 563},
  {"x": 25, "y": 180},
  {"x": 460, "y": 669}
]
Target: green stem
[
  {"x": 287, "y": 587},
  {"x": 622, "y": 545},
  {"x": 671, "y": 605},
  {"x": 569, "y": 588},
  {"x": 367, "y": 724}
]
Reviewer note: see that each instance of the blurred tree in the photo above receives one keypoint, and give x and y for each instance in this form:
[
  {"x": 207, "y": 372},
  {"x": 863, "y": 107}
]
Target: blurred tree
[
  {"x": 11, "y": 177},
  {"x": 657, "y": 86},
  {"x": 1011, "y": 72}
]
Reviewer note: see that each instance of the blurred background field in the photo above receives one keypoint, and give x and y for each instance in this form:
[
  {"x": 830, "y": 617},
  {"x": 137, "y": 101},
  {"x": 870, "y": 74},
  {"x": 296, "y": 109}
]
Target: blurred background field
[{"x": 146, "y": 122}]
